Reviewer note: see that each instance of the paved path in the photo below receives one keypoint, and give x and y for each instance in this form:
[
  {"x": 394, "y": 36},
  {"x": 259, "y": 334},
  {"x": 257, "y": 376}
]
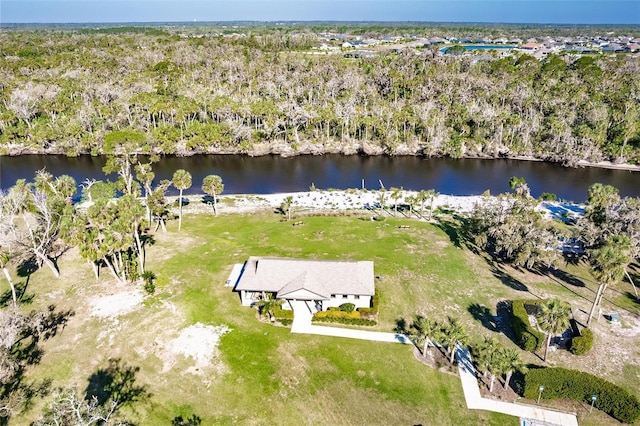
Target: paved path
[
  {"x": 302, "y": 324},
  {"x": 529, "y": 414},
  {"x": 525, "y": 412}
]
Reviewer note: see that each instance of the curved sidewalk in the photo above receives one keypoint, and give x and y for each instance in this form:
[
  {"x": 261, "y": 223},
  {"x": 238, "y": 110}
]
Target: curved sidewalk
[{"x": 525, "y": 412}]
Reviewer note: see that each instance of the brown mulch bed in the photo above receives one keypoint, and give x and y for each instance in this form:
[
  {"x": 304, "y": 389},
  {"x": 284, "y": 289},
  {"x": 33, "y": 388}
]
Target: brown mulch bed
[{"x": 436, "y": 359}]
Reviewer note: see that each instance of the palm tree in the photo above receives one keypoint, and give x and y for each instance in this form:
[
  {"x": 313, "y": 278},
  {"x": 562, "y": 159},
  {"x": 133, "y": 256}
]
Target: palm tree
[
  {"x": 553, "y": 318},
  {"x": 411, "y": 201},
  {"x": 608, "y": 265},
  {"x": 454, "y": 333},
  {"x": 382, "y": 195},
  {"x": 519, "y": 186},
  {"x": 423, "y": 330},
  {"x": 4, "y": 260},
  {"x": 213, "y": 186},
  {"x": 483, "y": 352},
  {"x": 267, "y": 305},
  {"x": 145, "y": 174},
  {"x": 182, "y": 181},
  {"x": 287, "y": 206},
  {"x": 396, "y": 194},
  {"x": 512, "y": 363},
  {"x": 430, "y": 196}
]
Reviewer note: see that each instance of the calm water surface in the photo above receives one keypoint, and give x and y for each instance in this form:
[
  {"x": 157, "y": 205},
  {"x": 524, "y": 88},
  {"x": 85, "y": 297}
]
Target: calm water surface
[{"x": 268, "y": 174}]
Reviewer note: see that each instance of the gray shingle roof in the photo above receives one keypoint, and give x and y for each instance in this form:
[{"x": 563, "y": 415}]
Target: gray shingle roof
[{"x": 322, "y": 277}]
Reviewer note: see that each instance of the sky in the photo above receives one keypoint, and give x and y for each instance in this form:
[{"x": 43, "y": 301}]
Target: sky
[{"x": 499, "y": 11}]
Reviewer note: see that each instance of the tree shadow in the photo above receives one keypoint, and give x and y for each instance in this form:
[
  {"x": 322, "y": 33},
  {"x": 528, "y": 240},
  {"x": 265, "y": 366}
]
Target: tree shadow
[
  {"x": 483, "y": 314},
  {"x": 503, "y": 320},
  {"x": 27, "y": 267},
  {"x": 207, "y": 199},
  {"x": 507, "y": 279},
  {"x": 402, "y": 327},
  {"x": 24, "y": 351},
  {"x": 6, "y": 298},
  {"x": 561, "y": 275},
  {"x": 192, "y": 420},
  {"x": 116, "y": 382}
]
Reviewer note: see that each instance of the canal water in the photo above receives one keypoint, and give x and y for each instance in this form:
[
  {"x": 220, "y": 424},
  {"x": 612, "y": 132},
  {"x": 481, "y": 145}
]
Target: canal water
[{"x": 269, "y": 174}]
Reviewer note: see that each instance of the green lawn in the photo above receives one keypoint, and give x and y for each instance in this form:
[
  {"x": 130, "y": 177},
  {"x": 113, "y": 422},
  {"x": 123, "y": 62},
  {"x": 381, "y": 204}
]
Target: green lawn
[{"x": 262, "y": 374}]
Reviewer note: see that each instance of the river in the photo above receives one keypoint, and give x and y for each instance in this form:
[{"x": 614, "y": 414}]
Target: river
[{"x": 269, "y": 174}]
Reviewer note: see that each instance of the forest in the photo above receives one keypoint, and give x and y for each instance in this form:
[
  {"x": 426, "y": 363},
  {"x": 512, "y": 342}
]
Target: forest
[{"x": 264, "y": 92}]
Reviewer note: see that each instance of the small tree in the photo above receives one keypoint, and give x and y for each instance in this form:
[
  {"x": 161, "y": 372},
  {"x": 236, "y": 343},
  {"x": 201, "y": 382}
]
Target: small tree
[
  {"x": 511, "y": 362},
  {"x": 454, "y": 333},
  {"x": 267, "y": 305},
  {"x": 213, "y": 186},
  {"x": 4, "y": 261},
  {"x": 287, "y": 206},
  {"x": 396, "y": 195},
  {"x": 182, "y": 181},
  {"x": 553, "y": 318},
  {"x": 422, "y": 331}
]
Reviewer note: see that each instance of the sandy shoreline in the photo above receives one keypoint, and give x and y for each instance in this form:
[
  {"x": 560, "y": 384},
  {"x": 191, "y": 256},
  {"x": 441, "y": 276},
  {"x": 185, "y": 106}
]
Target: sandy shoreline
[{"x": 346, "y": 200}]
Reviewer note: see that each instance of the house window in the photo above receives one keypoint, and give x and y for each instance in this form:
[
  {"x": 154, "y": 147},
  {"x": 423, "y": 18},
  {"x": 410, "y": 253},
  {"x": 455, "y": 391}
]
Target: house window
[
  {"x": 344, "y": 296},
  {"x": 333, "y": 296},
  {"x": 356, "y": 296}
]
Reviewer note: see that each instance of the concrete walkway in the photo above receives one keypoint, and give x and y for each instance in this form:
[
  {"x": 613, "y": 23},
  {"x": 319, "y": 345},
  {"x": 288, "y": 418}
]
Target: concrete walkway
[
  {"x": 529, "y": 414},
  {"x": 302, "y": 324}
]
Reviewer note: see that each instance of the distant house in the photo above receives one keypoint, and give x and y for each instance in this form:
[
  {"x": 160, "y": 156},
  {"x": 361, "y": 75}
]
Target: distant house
[
  {"x": 320, "y": 283},
  {"x": 531, "y": 46}
]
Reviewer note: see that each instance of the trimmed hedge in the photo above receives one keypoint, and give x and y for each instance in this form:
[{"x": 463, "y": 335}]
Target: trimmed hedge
[
  {"x": 527, "y": 337},
  {"x": 280, "y": 313},
  {"x": 342, "y": 320},
  {"x": 347, "y": 307},
  {"x": 580, "y": 386},
  {"x": 582, "y": 344},
  {"x": 337, "y": 314}
]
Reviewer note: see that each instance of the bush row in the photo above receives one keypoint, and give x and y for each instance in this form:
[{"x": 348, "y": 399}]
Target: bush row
[
  {"x": 280, "y": 313},
  {"x": 337, "y": 313},
  {"x": 527, "y": 337},
  {"x": 582, "y": 344},
  {"x": 285, "y": 321},
  {"x": 342, "y": 320},
  {"x": 580, "y": 386}
]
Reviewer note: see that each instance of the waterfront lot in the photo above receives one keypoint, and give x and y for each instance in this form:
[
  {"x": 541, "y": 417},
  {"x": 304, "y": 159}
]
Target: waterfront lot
[{"x": 256, "y": 373}]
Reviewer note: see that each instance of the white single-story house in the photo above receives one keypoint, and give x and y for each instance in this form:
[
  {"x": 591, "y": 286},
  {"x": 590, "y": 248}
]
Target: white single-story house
[{"x": 320, "y": 283}]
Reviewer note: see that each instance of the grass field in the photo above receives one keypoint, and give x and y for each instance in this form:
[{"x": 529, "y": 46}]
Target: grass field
[{"x": 261, "y": 374}]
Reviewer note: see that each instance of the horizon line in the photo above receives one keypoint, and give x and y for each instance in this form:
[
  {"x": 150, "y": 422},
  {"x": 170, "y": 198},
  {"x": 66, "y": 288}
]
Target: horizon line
[{"x": 552, "y": 24}]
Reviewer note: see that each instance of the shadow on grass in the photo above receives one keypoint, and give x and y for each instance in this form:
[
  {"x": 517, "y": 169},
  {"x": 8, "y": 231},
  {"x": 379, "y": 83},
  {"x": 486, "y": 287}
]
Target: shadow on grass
[
  {"x": 6, "y": 298},
  {"x": 561, "y": 275},
  {"x": 23, "y": 334},
  {"x": 116, "y": 382},
  {"x": 192, "y": 420},
  {"x": 483, "y": 314},
  {"x": 507, "y": 279}
]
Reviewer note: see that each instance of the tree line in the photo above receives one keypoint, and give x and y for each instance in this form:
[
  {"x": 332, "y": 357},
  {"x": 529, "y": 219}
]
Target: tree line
[{"x": 67, "y": 91}]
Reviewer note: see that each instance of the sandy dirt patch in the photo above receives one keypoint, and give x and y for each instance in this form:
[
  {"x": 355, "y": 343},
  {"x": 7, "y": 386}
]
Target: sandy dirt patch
[
  {"x": 126, "y": 300},
  {"x": 198, "y": 342}
]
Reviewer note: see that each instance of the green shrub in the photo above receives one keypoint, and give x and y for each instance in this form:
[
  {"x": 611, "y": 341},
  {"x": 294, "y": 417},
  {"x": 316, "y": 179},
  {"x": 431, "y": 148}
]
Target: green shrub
[
  {"x": 337, "y": 314},
  {"x": 285, "y": 321},
  {"x": 548, "y": 196},
  {"x": 580, "y": 386},
  {"x": 280, "y": 313},
  {"x": 527, "y": 337},
  {"x": 347, "y": 307},
  {"x": 582, "y": 344},
  {"x": 344, "y": 320}
]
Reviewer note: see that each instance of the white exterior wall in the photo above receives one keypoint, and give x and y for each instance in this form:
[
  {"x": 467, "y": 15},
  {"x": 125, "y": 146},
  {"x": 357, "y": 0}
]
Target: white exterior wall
[
  {"x": 248, "y": 298},
  {"x": 361, "y": 302}
]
